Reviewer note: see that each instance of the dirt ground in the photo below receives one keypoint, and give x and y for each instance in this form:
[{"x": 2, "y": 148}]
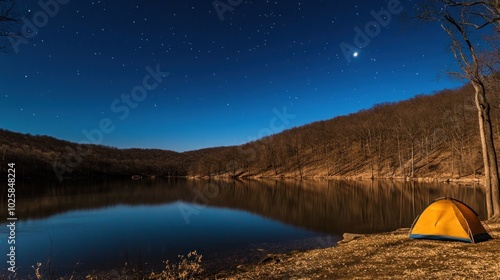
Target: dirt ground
[{"x": 382, "y": 256}]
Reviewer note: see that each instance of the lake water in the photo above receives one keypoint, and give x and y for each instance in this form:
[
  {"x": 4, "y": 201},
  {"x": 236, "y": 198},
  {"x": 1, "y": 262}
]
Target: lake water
[{"x": 82, "y": 226}]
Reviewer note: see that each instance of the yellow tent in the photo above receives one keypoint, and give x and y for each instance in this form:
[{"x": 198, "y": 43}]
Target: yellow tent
[{"x": 449, "y": 219}]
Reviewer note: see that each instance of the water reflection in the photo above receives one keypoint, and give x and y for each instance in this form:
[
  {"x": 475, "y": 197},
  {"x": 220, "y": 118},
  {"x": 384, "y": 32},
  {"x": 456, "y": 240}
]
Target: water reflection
[
  {"x": 336, "y": 207},
  {"x": 326, "y": 206},
  {"x": 100, "y": 224}
]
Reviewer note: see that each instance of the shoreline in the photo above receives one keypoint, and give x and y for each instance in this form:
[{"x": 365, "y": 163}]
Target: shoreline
[
  {"x": 360, "y": 177},
  {"x": 358, "y": 256},
  {"x": 383, "y": 255},
  {"x": 388, "y": 255}
]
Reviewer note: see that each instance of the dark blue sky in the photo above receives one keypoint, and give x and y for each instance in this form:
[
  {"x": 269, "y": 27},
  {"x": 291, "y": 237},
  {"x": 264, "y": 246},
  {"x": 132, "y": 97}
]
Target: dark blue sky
[{"x": 82, "y": 76}]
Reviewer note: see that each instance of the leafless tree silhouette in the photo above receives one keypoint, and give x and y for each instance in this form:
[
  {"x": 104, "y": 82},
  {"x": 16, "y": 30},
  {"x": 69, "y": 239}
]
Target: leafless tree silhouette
[{"x": 10, "y": 23}]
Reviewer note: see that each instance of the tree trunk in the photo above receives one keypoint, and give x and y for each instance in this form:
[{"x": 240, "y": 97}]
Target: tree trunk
[
  {"x": 472, "y": 67},
  {"x": 452, "y": 160},
  {"x": 401, "y": 171},
  {"x": 412, "y": 159},
  {"x": 489, "y": 153}
]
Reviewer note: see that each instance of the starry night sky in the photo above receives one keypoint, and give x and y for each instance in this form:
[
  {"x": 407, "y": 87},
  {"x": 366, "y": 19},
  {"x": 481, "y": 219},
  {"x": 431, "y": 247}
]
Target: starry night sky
[{"x": 226, "y": 78}]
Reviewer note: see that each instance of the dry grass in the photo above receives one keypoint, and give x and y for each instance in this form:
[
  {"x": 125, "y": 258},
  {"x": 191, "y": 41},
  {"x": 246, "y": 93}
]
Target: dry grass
[
  {"x": 383, "y": 256},
  {"x": 188, "y": 268}
]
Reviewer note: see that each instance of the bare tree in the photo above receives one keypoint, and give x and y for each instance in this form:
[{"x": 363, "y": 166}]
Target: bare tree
[
  {"x": 458, "y": 19},
  {"x": 9, "y": 24}
]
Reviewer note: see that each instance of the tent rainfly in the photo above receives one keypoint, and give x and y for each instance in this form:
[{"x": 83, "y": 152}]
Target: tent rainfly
[{"x": 449, "y": 219}]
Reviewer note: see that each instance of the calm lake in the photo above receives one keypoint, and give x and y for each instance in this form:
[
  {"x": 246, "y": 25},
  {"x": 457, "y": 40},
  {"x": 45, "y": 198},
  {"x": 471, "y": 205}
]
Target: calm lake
[{"x": 81, "y": 226}]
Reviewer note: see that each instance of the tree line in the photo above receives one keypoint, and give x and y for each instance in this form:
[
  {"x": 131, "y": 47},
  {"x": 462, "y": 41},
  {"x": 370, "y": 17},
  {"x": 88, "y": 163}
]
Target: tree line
[
  {"x": 432, "y": 136},
  {"x": 35, "y": 156},
  {"x": 426, "y": 136}
]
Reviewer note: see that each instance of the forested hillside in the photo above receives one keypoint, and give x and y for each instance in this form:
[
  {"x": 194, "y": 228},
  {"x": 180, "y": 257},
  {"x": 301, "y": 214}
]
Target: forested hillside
[
  {"x": 426, "y": 136},
  {"x": 43, "y": 156}
]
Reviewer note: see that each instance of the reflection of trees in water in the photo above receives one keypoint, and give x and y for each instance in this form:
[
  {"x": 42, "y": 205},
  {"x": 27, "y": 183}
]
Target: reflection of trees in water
[
  {"x": 39, "y": 200},
  {"x": 326, "y": 206},
  {"x": 341, "y": 206}
]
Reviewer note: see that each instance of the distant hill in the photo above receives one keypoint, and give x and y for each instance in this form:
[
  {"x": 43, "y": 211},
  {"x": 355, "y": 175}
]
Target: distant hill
[
  {"x": 426, "y": 136},
  {"x": 43, "y": 156}
]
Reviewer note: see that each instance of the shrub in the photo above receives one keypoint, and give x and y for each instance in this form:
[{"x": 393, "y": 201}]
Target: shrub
[{"x": 187, "y": 268}]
